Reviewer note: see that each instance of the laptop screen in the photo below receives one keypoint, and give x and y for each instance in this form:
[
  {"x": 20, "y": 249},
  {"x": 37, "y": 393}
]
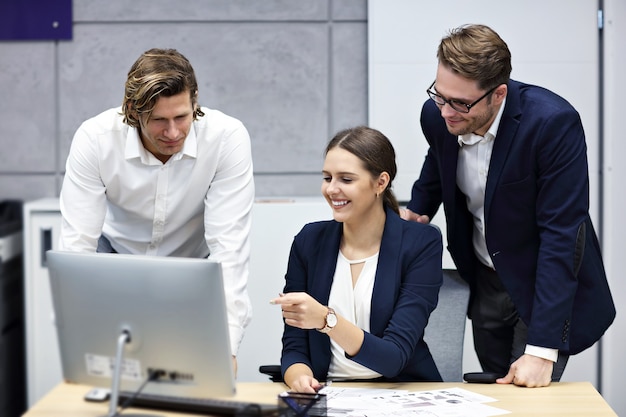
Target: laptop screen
[{"x": 172, "y": 308}]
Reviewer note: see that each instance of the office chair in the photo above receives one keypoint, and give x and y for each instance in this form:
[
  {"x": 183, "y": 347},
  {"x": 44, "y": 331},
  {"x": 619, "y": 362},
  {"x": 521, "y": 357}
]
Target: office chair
[{"x": 444, "y": 333}]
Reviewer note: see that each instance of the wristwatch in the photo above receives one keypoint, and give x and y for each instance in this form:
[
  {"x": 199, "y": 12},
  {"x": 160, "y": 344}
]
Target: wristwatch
[{"x": 330, "y": 321}]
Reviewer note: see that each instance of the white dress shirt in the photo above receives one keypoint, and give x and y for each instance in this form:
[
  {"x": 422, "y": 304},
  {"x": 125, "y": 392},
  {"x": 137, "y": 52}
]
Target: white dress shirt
[
  {"x": 196, "y": 204},
  {"x": 471, "y": 177}
]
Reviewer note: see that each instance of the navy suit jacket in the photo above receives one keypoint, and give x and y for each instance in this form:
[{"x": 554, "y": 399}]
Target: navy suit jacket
[
  {"x": 406, "y": 288},
  {"x": 537, "y": 225}
]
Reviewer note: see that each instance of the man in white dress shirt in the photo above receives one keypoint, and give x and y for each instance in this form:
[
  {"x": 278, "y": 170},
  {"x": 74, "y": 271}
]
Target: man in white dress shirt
[{"x": 163, "y": 176}]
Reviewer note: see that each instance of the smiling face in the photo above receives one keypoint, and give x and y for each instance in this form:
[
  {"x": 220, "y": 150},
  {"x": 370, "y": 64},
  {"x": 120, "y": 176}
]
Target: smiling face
[
  {"x": 452, "y": 86},
  {"x": 349, "y": 188},
  {"x": 163, "y": 133}
]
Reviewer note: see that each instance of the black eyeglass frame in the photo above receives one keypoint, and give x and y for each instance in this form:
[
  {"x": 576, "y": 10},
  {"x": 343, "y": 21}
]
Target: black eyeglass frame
[{"x": 454, "y": 103}]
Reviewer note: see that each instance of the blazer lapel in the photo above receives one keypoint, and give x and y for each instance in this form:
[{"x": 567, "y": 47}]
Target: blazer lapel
[
  {"x": 387, "y": 275},
  {"x": 449, "y": 165},
  {"x": 450, "y": 193},
  {"x": 503, "y": 141},
  {"x": 326, "y": 262}
]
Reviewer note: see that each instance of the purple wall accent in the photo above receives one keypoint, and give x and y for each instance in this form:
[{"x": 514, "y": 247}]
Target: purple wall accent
[{"x": 35, "y": 19}]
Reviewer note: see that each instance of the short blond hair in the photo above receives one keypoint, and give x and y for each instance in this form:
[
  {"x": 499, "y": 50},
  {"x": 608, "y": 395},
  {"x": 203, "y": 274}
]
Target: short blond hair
[{"x": 478, "y": 53}]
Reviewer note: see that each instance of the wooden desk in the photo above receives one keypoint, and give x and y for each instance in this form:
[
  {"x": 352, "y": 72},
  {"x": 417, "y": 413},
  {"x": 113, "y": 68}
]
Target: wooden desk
[{"x": 559, "y": 399}]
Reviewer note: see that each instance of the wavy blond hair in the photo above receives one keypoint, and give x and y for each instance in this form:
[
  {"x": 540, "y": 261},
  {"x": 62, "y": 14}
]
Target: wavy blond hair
[{"x": 157, "y": 73}]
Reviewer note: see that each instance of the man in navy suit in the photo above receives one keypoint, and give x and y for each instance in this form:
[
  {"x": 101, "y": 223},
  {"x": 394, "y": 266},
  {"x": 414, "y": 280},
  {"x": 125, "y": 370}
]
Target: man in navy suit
[{"x": 509, "y": 163}]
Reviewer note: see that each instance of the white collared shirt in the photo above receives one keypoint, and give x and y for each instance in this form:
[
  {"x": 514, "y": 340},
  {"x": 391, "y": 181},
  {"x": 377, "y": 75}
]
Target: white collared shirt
[
  {"x": 197, "y": 203},
  {"x": 471, "y": 177}
]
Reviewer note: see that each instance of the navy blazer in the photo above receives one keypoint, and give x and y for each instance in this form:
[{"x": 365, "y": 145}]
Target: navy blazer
[
  {"x": 406, "y": 289},
  {"x": 537, "y": 225}
]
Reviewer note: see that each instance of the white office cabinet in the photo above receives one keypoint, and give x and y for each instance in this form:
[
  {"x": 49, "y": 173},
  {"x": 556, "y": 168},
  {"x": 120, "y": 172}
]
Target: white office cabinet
[{"x": 42, "y": 224}]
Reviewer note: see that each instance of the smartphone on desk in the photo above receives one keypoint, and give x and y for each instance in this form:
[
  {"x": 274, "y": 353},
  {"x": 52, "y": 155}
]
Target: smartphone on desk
[{"x": 481, "y": 377}]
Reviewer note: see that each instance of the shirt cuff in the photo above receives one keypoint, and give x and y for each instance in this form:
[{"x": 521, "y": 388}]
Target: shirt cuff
[{"x": 545, "y": 353}]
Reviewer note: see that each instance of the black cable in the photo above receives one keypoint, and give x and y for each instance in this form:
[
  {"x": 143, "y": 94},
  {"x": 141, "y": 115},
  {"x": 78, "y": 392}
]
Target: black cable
[{"x": 154, "y": 375}]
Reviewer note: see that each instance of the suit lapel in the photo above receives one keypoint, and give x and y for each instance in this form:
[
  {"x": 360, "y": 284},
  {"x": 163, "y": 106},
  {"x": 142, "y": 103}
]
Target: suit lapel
[
  {"x": 385, "y": 287},
  {"x": 503, "y": 141},
  {"x": 326, "y": 262},
  {"x": 449, "y": 162}
]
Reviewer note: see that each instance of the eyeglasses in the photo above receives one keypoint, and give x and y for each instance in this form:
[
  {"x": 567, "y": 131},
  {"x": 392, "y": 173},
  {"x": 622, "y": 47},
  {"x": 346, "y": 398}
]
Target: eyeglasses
[{"x": 455, "y": 104}]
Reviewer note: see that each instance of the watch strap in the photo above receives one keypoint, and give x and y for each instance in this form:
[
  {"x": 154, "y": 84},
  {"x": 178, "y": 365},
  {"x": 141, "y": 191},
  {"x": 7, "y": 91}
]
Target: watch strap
[{"x": 326, "y": 327}]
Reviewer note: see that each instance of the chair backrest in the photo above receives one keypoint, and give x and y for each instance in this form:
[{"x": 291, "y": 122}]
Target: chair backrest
[{"x": 445, "y": 331}]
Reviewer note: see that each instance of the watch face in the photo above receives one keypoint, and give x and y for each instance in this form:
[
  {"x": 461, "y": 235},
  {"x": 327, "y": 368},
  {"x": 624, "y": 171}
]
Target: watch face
[{"x": 331, "y": 320}]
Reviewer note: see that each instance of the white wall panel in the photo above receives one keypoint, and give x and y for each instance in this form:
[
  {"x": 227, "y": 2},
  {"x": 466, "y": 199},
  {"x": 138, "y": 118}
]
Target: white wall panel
[{"x": 614, "y": 242}]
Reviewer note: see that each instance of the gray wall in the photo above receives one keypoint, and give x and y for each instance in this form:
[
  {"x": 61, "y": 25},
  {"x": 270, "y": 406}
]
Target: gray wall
[{"x": 294, "y": 72}]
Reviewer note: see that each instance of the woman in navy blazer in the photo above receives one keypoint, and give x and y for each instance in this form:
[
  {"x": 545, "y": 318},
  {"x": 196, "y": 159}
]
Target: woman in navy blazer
[{"x": 360, "y": 288}]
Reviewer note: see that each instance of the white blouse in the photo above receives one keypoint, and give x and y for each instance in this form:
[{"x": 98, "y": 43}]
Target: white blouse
[{"x": 353, "y": 304}]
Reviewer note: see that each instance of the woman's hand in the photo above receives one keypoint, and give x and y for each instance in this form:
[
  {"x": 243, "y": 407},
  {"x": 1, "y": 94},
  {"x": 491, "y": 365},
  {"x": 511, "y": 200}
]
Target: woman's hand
[
  {"x": 301, "y": 310},
  {"x": 300, "y": 378},
  {"x": 306, "y": 383},
  {"x": 304, "y": 312}
]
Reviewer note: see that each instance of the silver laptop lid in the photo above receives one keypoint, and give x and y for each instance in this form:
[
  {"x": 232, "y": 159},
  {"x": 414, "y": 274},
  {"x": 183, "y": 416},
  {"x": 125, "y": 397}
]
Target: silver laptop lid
[{"x": 174, "y": 309}]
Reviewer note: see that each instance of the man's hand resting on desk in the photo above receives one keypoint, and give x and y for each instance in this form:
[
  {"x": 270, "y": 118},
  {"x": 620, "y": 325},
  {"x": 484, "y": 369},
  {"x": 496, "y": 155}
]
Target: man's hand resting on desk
[
  {"x": 407, "y": 214},
  {"x": 529, "y": 371}
]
